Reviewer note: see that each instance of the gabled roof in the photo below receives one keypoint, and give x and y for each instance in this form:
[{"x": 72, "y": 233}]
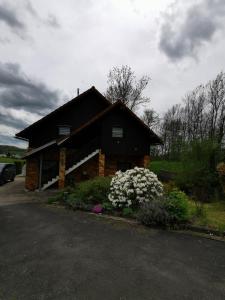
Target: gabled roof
[
  {"x": 23, "y": 133},
  {"x": 155, "y": 138},
  {"x": 47, "y": 145}
]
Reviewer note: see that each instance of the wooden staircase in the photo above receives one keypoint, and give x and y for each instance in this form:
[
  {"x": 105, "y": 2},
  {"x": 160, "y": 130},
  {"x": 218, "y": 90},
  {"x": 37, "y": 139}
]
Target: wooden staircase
[{"x": 71, "y": 169}]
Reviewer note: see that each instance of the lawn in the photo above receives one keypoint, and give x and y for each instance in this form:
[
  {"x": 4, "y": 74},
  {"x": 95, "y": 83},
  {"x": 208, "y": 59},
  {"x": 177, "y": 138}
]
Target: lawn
[
  {"x": 171, "y": 166},
  {"x": 9, "y": 160},
  {"x": 213, "y": 215}
]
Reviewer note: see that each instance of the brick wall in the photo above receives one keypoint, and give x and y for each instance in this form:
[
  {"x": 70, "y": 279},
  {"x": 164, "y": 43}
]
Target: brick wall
[
  {"x": 32, "y": 173},
  {"x": 112, "y": 161}
]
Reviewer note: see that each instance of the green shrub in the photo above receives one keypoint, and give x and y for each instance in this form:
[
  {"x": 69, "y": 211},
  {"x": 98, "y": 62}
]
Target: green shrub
[
  {"x": 176, "y": 204},
  {"x": 154, "y": 213},
  {"x": 90, "y": 192},
  {"x": 19, "y": 165},
  {"x": 107, "y": 206},
  {"x": 170, "y": 211},
  {"x": 127, "y": 212},
  {"x": 52, "y": 200},
  {"x": 199, "y": 177},
  {"x": 77, "y": 203}
]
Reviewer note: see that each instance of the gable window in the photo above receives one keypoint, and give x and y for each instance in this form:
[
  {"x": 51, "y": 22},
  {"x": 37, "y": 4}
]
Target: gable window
[
  {"x": 117, "y": 132},
  {"x": 64, "y": 130}
]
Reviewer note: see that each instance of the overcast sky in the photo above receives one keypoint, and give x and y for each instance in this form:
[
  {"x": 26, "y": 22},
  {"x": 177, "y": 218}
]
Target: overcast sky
[{"x": 50, "y": 48}]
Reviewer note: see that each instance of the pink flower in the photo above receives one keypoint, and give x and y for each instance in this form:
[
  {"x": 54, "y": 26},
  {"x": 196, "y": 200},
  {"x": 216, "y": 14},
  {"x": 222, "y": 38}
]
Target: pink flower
[{"x": 97, "y": 209}]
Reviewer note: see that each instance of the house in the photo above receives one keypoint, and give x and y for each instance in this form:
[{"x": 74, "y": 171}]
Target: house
[{"x": 86, "y": 137}]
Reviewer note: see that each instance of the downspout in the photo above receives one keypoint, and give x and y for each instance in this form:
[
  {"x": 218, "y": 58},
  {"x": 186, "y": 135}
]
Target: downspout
[{"x": 40, "y": 171}]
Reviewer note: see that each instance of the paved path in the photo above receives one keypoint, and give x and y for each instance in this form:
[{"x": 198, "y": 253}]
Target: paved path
[
  {"x": 53, "y": 253},
  {"x": 14, "y": 192}
]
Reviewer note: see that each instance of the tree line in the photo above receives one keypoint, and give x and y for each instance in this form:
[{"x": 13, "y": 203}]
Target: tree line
[{"x": 200, "y": 116}]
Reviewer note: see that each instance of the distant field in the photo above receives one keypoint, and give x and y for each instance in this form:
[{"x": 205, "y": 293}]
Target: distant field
[
  {"x": 9, "y": 160},
  {"x": 171, "y": 166}
]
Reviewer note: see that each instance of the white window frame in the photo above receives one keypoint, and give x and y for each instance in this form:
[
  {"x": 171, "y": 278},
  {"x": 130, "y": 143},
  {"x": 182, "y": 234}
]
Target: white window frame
[
  {"x": 117, "y": 132},
  {"x": 64, "y": 130}
]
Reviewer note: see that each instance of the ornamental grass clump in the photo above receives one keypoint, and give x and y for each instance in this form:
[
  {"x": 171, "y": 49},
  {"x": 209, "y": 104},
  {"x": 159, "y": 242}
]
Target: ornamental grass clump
[{"x": 134, "y": 187}]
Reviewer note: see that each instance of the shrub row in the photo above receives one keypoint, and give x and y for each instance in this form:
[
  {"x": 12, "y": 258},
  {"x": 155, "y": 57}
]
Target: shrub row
[{"x": 135, "y": 192}]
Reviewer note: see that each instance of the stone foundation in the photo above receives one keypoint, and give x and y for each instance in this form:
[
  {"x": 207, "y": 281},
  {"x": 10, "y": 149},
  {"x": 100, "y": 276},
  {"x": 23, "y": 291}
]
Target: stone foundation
[{"x": 32, "y": 174}]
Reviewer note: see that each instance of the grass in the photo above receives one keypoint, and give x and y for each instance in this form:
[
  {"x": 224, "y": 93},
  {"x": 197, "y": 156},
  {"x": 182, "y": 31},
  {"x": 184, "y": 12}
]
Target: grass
[
  {"x": 9, "y": 160},
  {"x": 171, "y": 166},
  {"x": 213, "y": 215}
]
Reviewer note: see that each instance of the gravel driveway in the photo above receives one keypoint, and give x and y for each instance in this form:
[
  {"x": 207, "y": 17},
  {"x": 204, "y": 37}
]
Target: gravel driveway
[{"x": 53, "y": 253}]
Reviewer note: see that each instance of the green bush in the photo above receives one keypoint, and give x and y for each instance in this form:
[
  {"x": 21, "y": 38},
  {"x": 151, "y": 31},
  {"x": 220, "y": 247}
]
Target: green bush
[
  {"x": 176, "y": 204},
  {"x": 19, "y": 165},
  {"x": 199, "y": 177},
  {"x": 90, "y": 192},
  {"x": 107, "y": 206},
  {"x": 127, "y": 212},
  {"x": 77, "y": 203},
  {"x": 168, "y": 212}
]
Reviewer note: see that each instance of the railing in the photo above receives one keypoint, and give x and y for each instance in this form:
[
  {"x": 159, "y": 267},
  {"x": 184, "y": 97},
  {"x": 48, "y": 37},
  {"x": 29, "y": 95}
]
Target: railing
[{"x": 80, "y": 153}]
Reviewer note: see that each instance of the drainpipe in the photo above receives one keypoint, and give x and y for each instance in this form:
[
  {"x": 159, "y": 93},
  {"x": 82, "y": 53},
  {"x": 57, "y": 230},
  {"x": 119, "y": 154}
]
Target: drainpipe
[{"x": 40, "y": 171}]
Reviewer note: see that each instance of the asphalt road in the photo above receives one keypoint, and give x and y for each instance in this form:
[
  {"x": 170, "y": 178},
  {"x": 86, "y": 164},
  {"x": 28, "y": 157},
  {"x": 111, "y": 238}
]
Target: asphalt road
[{"x": 53, "y": 253}]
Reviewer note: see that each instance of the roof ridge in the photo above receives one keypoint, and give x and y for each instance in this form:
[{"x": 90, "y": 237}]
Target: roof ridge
[{"x": 78, "y": 97}]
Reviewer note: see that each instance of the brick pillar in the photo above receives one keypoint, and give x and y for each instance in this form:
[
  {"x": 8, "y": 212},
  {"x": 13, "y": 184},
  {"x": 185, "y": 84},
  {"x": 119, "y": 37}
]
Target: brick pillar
[
  {"x": 62, "y": 168},
  {"x": 32, "y": 173},
  {"x": 146, "y": 161},
  {"x": 101, "y": 164}
]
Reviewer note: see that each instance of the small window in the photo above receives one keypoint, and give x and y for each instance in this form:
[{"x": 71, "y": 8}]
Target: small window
[
  {"x": 64, "y": 130},
  {"x": 117, "y": 132}
]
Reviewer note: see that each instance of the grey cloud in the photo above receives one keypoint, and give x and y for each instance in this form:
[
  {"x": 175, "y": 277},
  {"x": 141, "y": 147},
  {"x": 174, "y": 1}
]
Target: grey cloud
[
  {"x": 10, "y": 17},
  {"x": 52, "y": 21},
  {"x": 21, "y": 93},
  {"x": 198, "y": 26},
  {"x": 17, "y": 91},
  {"x": 7, "y": 120},
  {"x": 10, "y": 140},
  {"x": 30, "y": 8}
]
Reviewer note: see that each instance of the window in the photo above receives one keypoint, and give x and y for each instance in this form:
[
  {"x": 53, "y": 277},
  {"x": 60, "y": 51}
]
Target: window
[
  {"x": 117, "y": 132},
  {"x": 64, "y": 130}
]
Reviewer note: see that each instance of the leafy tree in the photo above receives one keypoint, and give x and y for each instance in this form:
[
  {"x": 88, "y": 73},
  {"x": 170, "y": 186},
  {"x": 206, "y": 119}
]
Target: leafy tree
[
  {"x": 123, "y": 86},
  {"x": 199, "y": 176}
]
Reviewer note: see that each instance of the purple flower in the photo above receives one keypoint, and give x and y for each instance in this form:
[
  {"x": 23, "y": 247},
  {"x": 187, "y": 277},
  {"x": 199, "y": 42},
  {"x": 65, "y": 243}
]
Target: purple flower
[{"x": 97, "y": 209}]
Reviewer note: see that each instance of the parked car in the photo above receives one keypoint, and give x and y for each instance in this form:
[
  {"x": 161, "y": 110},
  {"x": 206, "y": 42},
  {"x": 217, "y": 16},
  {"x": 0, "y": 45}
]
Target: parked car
[{"x": 7, "y": 172}]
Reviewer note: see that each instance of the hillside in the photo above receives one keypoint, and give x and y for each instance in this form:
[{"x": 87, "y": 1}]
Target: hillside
[{"x": 4, "y": 149}]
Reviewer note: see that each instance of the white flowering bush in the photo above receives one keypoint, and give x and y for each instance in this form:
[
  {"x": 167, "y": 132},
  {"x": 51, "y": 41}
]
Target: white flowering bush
[{"x": 134, "y": 187}]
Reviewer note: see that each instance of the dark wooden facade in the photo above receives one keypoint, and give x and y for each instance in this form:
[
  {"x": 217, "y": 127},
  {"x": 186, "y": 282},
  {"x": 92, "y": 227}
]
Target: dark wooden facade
[{"x": 91, "y": 119}]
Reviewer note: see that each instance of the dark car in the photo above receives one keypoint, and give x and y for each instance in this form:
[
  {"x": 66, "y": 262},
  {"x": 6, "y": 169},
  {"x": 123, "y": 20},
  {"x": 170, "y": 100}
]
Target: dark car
[{"x": 7, "y": 172}]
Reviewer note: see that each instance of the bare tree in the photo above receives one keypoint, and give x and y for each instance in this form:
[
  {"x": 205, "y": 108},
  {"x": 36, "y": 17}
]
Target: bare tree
[
  {"x": 151, "y": 118},
  {"x": 200, "y": 117},
  {"x": 216, "y": 98},
  {"x": 123, "y": 86}
]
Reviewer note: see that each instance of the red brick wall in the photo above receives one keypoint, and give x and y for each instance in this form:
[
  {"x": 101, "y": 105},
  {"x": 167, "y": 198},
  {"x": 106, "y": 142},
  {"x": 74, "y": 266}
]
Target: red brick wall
[
  {"x": 32, "y": 173},
  {"x": 111, "y": 163}
]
